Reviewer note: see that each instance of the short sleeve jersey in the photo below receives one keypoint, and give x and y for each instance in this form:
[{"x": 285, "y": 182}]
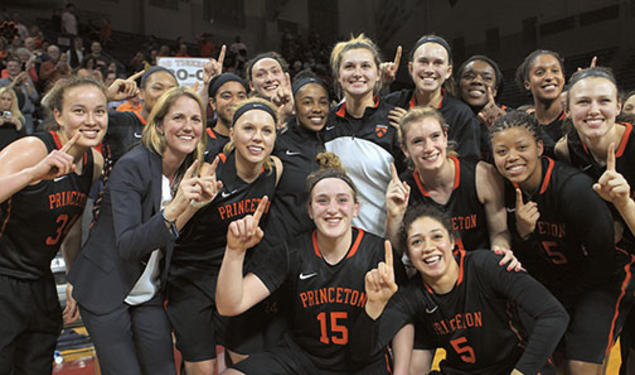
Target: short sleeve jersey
[
  {"x": 35, "y": 220},
  {"x": 215, "y": 144},
  {"x": 124, "y": 131},
  {"x": 468, "y": 214},
  {"x": 326, "y": 299}
]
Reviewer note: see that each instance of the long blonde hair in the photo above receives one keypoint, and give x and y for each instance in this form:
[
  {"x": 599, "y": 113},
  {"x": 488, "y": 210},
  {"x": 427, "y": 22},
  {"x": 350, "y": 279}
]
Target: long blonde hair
[
  {"x": 355, "y": 42},
  {"x": 15, "y": 110}
]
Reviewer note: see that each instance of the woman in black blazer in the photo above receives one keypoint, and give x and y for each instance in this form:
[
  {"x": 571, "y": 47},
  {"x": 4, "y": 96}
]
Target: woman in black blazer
[{"x": 120, "y": 275}]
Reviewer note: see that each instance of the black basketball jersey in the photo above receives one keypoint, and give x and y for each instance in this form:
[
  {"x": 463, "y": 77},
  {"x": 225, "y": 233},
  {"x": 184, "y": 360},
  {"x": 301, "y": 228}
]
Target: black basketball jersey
[
  {"x": 571, "y": 248},
  {"x": 35, "y": 220},
  {"x": 551, "y": 133},
  {"x": 325, "y": 299},
  {"x": 215, "y": 144},
  {"x": 477, "y": 321},
  {"x": 297, "y": 148},
  {"x": 200, "y": 248},
  {"x": 582, "y": 159},
  {"x": 468, "y": 214}
]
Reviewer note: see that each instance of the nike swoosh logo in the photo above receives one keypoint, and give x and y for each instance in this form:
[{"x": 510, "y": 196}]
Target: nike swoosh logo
[
  {"x": 330, "y": 127},
  {"x": 586, "y": 167},
  {"x": 137, "y": 135},
  {"x": 225, "y": 194},
  {"x": 510, "y": 210},
  {"x": 308, "y": 276},
  {"x": 432, "y": 310},
  {"x": 292, "y": 153},
  {"x": 60, "y": 178}
]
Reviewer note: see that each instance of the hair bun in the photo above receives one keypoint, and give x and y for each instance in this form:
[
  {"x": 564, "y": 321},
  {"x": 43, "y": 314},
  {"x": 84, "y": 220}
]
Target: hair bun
[{"x": 328, "y": 160}]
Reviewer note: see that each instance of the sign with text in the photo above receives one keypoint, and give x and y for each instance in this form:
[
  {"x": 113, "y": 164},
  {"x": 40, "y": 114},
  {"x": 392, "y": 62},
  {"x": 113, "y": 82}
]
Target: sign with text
[{"x": 187, "y": 70}]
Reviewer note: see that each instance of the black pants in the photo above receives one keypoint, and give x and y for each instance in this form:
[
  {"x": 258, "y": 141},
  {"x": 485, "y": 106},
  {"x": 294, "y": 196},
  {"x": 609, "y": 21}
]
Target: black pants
[
  {"x": 31, "y": 321},
  {"x": 132, "y": 339}
]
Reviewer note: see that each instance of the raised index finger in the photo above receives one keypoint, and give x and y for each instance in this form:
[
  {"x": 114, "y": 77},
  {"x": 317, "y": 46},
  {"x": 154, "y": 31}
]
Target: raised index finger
[
  {"x": 221, "y": 56},
  {"x": 610, "y": 158},
  {"x": 191, "y": 171},
  {"x": 397, "y": 58},
  {"x": 261, "y": 208},
  {"x": 388, "y": 253},
  {"x": 136, "y": 75},
  {"x": 393, "y": 171},
  {"x": 519, "y": 198},
  {"x": 490, "y": 96},
  {"x": 70, "y": 143}
]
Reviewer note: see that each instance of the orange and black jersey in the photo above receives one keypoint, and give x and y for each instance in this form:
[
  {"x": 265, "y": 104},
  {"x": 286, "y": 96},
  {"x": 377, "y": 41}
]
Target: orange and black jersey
[
  {"x": 571, "y": 248},
  {"x": 297, "y": 148},
  {"x": 476, "y": 322},
  {"x": 582, "y": 159},
  {"x": 551, "y": 133},
  {"x": 124, "y": 131},
  {"x": 35, "y": 220},
  {"x": 469, "y": 220},
  {"x": 215, "y": 144},
  {"x": 200, "y": 248},
  {"x": 464, "y": 125},
  {"x": 324, "y": 300}
]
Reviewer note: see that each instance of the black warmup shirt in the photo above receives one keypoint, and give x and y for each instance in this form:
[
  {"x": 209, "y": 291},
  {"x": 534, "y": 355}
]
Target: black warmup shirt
[
  {"x": 476, "y": 322},
  {"x": 464, "y": 126},
  {"x": 199, "y": 250},
  {"x": 297, "y": 148},
  {"x": 469, "y": 220},
  {"x": 124, "y": 131},
  {"x": 582, "y": 159},
  {"x": 325, "y": 300},
  {"x": 571, "y": 250},
  {"x": 36, "y": 219}
]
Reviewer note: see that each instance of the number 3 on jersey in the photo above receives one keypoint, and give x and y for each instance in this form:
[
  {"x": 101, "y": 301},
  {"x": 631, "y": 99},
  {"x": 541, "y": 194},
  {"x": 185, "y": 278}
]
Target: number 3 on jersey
[
  {"x": 464, "y": 350},
  {"x": 63, "y": 226},
  {"x": 339, "y": 332}
]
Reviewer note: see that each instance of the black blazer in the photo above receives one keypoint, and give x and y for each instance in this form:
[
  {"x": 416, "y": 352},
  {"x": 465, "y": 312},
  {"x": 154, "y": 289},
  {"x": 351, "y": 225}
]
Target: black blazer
[{"x": 128, "y": 229}]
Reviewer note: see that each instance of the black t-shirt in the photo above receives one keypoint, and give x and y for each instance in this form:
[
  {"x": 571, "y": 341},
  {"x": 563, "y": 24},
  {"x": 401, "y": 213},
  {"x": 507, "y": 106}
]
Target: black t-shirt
[
  {"x": 297, "y": 148},
  {"x": 200, "y": 248},
  {"x": 325, "y": 300},
  {"x": 469, "y": 220},
  {"x": 476, "y": 322},
  {"x": 571, "y": 249},
  {"x": 582, "y": 159},
  {"x": 9, "y": 134},
  {"x": 124, "y": 131},
  {"x": 36, "y": 219},
  {"x": 465, "y": 128}
]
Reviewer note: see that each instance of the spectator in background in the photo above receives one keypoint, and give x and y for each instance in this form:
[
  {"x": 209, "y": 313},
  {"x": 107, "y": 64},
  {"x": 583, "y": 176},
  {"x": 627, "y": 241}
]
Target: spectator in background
[
  {"x": 182, "y": 52},
  {"x": 131, "y": 105},
  {"x": 11, "y": 119},
  {"x": 69, "y": 20},
  {"x": 75, "y": 54},
  {"x": 21, "y": 81},
  {"x": 206, "y": 45},
  {"x": 101, "y": 61},
  {"x": 54, "y": 68},
  {"x": 22, "y": 29},
  {"x": 27, "y": 60},
  {"x": 3, "y": 49}
]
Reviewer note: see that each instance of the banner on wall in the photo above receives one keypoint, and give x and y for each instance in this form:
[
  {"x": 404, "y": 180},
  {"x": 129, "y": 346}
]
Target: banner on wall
[{"x": 187, "y": 70}]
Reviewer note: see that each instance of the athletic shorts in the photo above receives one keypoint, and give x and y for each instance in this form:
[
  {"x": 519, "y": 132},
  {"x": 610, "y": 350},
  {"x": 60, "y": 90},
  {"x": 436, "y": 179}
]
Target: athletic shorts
[
  {"x": 197, "y": 325},
  {"x": 31, "y": 322},
  {"x": 258, "y": 329},
  {"x": 288, "y": 359},
  {"x": 597, "y": 318}
]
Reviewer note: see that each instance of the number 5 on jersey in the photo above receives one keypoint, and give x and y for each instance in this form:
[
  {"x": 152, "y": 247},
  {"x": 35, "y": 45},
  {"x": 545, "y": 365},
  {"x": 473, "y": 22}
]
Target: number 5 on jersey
[{"x": 463, "y": 349}]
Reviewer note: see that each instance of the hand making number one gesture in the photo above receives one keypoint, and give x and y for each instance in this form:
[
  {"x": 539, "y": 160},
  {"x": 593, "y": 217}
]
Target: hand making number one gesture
[
  {"x": 389, "y": 69},
  {"x": 491, "y": 111},
  {"x": 396, "y": 195},
  {"x": 57, "y": 163},
  {"x": 612, "y": 186},
  {"x": 380, "y": 284},
  {"x": 214, "y": 67},
  {"x": 123, "y": 89},
  {"x": 527, "y": 215},
  {"x": 246, "y": 233}
]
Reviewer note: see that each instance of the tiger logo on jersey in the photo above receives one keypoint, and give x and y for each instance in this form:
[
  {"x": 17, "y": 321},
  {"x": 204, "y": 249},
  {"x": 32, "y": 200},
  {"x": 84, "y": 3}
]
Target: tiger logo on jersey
[{"x": 381, "y": 130}]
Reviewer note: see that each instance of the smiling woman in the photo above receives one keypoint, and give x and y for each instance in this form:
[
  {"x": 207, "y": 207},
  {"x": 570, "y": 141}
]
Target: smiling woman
[
  {"x": 33, "y": 172},
  {"x": 121, "y": 274}
]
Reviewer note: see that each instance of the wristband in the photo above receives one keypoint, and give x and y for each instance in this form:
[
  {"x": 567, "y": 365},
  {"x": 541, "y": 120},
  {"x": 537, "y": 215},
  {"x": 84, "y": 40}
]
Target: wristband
[{"x": 173, "y": 230}]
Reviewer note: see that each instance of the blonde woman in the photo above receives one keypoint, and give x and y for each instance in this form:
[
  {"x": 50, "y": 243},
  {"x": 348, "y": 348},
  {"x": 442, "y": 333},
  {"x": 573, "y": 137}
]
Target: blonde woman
[{"x": 11, "y": 119}]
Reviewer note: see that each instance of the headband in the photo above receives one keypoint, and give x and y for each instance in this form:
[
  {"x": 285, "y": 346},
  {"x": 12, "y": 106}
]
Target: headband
[
  {"x": 222, "y": 79},
  {"x": 433, "y": 39},
  {"x": 305, "y": 81},
  {"x": 253, "y": 105}
]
